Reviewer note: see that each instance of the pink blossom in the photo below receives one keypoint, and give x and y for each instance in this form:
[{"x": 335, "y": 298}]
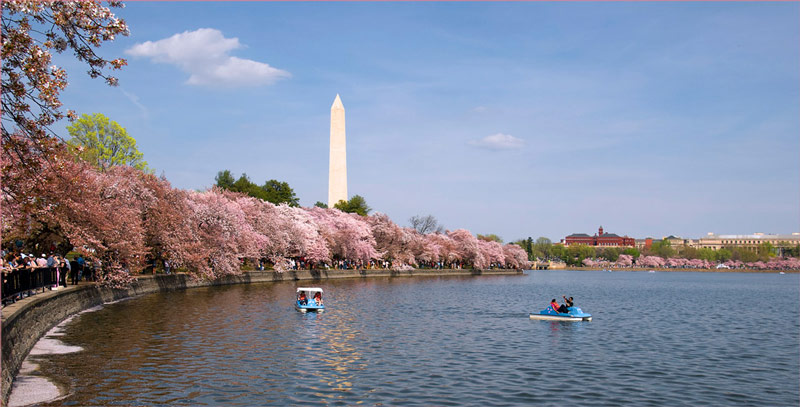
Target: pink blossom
[
  {"x": 624, "y": 260},
  {"x": 515, "y": 257},
  {"x": 349, "y": 236}
]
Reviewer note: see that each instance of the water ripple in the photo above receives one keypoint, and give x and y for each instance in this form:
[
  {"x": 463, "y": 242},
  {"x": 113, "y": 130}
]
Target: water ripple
[{"x": 444, "y": 341}]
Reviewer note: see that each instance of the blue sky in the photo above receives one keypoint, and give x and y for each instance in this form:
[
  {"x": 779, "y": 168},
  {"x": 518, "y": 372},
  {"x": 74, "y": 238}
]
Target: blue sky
[{"x": 519, "y": 119}]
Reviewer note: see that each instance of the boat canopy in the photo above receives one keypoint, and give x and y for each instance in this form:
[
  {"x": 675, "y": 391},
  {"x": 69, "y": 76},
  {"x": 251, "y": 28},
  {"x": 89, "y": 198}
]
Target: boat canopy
[{"x": 309, "y": 289}]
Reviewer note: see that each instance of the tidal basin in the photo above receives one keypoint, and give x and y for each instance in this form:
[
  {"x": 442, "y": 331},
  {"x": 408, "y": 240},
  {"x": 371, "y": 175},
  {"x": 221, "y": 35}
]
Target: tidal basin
[{"x": 663, "y": 339}]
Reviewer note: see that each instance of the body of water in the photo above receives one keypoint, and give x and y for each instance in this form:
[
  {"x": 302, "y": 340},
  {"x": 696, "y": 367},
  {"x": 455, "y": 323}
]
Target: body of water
[{"x": 657, "y": 339}]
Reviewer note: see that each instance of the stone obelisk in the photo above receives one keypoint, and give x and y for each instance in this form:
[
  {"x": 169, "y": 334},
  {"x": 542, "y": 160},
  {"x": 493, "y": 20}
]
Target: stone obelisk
[{"x": 337, "y": 172}]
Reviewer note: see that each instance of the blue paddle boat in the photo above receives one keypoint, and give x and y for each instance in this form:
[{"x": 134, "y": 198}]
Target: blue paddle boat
[
  {"x": 309, "y": 299},
  {"x": 574, "y": 314}
]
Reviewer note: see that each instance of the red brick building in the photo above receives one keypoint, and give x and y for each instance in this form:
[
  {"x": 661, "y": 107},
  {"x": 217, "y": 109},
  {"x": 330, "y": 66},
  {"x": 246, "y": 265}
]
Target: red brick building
[{"x": 600, "y": 239}]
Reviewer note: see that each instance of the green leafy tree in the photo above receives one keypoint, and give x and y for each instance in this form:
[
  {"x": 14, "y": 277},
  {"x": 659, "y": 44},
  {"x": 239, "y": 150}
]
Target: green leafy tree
[
  {"x": 529, "y": 247},
  {"x": 702, "y": 254},
  {"x": 631, "y": 251},
  {"x": 320, "y": 204},
  {"x": 356, "y": 204},
  {"x": 542, "y": 248},
  {"x": 766, "y": 250},
  {"x": 245, "y": 186},
  {"x": 273, "y": 191},
  {"x": 279, "y": 192},
  {"x": 225, "y": 180},
  {"x": 663, "y": 249},
  {"x": 743, "y": 254},
  {"x": 104, "y": 143},
  {"x": 32, "y": 84},
  {"x": 689, "y": 253},
  {"x": 577, "y": 252},
  {"x": 559, "y": 251},
  {"x": 720, "y": 255},
  {"x": 491, "y": 238},
  {"x": 611, "y": 253}
]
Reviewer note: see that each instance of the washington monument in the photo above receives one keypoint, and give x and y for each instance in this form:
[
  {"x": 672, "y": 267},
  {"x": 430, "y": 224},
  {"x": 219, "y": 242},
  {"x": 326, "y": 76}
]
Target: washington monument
[{"x": 337, "y": 173}]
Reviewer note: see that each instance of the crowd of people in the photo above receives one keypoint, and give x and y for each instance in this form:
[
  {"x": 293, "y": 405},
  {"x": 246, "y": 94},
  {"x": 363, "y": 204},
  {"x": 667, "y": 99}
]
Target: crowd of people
[{"x": 20, "y": 270}]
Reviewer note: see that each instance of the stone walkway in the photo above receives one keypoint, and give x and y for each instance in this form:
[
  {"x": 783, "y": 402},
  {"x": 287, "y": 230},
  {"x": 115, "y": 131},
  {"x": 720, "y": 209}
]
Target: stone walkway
[{"x": 10, "y": 309}]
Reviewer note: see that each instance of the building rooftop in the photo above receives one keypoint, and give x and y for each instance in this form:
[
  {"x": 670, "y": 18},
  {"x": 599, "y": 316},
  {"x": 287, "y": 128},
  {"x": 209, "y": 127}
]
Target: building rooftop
[
  {"x": 579, "y": 235},
  {"x": 753, "y": 236}
]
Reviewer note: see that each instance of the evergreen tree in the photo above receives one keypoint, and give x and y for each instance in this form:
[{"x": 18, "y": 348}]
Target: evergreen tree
[{"x": 356, "y": 204}]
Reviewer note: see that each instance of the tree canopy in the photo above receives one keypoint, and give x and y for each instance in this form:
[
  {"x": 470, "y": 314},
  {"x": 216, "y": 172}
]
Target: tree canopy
[
  {"x": 425, "y": 224},
  {"x": 273, "y": 191},
  {"x": 31, "y": 84},
  {"x": 356, "y": 204},
  {"x": 490, "y": 238},
  {"x": 104, "y": 143},
  {"x": 662, "y": 248}
]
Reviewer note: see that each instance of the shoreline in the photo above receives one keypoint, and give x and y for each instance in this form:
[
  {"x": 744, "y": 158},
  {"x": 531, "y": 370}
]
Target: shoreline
[
  {"x": 681, "y": 270},
  {"x": 27, "y": 321}
]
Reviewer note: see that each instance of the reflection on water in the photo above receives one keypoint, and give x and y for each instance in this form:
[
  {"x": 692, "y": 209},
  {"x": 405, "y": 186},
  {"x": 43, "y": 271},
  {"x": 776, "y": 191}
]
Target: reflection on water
[
  {"x": 444, "y": 341},
  {"x": 332, "y": 345}
]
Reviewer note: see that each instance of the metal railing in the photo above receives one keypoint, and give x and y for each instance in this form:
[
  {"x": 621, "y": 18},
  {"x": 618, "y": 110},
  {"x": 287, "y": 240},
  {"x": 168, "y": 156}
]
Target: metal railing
[{"x": 26, "y": 281}]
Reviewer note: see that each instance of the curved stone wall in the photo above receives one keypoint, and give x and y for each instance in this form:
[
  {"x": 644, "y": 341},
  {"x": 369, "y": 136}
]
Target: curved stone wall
[{"x": 26, "y": 321}]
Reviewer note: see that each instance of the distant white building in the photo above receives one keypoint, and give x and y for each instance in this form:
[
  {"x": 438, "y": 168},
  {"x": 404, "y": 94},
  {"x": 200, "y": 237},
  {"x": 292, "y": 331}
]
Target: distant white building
[{"x": 716, "y": 242}]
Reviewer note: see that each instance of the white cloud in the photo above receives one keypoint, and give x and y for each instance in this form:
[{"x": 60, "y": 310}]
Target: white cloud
[
  {"x": 203, "y": 54},
  {"x": 135, "y": 100},
  {"x": 499, "y": 141}
]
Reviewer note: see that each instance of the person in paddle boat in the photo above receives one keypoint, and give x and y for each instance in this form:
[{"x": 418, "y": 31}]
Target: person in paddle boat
[
  {"x": 301, "y": 298},
  {"x": 568, "y": 301},
  {"x": 318, "y": 298},
  {"x": 559, "y": 308}
]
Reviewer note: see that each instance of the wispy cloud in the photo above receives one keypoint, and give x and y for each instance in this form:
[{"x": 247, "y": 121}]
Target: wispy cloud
[
  {"x": 204, "y": 55},
  {"x": 135, "y": 100},
  {"x": 499, "y": 141}
]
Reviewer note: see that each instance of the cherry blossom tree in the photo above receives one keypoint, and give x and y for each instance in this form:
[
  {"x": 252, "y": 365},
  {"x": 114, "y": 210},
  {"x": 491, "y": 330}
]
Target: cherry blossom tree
[
  {"x": 413, "y": 245},
  {"x": 225, "y": 234},
  {"x": 99, "y": 215},
  {"x": 516, "y": 257},
  {"x": 492, "y": 252},
  {"x": 169, "y": 227},
  {"x": 468, "y": 249},
  {"x": 31, "y": 85},
  {"x": 433, "y": 248},
  {"x": 650, "y": 261},
  {"x": 448, "y": 248},
  {"x": 349, "y": 236},
  {"x": 389, "y": 238},
  {"x": 624, "y": 260},
  {"x": 305, "y": 237}
]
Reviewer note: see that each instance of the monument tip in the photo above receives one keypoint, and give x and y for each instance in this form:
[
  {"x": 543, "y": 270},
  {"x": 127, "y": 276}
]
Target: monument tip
[{"x": 337, "y": 103}]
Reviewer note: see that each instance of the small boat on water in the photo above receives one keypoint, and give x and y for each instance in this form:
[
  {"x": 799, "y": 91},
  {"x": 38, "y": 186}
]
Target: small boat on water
[
  {"x": 574, "y": 314},
  {"x": 309, "y": 299}
]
